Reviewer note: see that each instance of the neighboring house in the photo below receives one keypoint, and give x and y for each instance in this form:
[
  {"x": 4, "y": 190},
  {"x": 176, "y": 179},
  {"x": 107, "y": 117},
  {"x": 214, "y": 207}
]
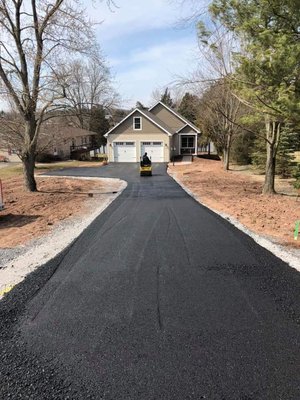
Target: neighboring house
[
  {"x": 64, "y": 141},
  {"x": 60, "y": 141},
  {"x": 159, "y": 131},
  {"x": 6, "y": 154}
]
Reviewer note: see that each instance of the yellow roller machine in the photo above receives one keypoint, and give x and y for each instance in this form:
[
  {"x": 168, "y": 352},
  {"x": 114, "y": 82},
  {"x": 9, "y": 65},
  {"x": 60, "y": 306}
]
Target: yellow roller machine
[{"x": 145, "y": 167}]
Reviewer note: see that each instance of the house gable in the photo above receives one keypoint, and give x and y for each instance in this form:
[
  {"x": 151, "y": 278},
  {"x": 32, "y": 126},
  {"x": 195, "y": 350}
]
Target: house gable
[
  {"x": 172, "y": 120},
  {"x": 187, "y": 129},
  {"x": 149, "y": 124},
  {"x": 171, "y": 117}
]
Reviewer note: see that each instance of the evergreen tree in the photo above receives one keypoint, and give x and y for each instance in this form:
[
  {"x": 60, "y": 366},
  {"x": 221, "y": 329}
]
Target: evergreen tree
[
  {"x": 258, "y": 154},
  {"x": 99, "y": 124},
  {"x": 296, "y": 175},
  {"x": 242, "y": 148},
  {"x": 166, "y": 98},
  {"x": 140, "y": 105},
  {"x": 188, "y": 107},
  {"x": 267, "y": 72},
  {"x": 284, "y": 156}
]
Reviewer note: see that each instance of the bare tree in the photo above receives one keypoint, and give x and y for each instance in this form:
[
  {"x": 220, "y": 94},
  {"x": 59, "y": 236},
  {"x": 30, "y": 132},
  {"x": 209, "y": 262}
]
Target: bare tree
[
  {"x": 219, "y": 116},
  {"x": 176, "y": 91},
  {"x": 12, "y": 133},
  {"x": 220, "y": 109},
  {"x": 37, "y": 38},
  {"x": 88, "y": 85}
]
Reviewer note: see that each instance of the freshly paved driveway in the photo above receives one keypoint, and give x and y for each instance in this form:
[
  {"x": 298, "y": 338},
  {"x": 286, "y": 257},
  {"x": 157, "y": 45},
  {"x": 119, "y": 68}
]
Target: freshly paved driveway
[{"x": 158, "y": 299}]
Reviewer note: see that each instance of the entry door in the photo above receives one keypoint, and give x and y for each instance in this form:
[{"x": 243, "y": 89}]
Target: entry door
[
  {"x": 155, "y": 150},
  {"x": 124, "y": 152}
]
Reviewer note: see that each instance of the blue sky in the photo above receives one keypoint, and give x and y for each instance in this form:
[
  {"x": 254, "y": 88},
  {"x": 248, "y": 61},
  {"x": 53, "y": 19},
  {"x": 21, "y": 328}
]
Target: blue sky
[{"x": 146, "y": 45}]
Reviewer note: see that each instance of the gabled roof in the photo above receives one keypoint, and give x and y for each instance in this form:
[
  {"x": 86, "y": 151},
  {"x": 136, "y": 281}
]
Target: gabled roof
[
  {"x": 151, "y": 117},
  {"x": 177, "y": 115},
  {"x": 180, "y": 129},
  {"x": 158, "y": 122}
]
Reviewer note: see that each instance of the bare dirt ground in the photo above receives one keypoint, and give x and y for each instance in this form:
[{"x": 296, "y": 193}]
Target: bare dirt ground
[
  {"x": 238, "y": 194},
  {"x": 30, "y": 215}
]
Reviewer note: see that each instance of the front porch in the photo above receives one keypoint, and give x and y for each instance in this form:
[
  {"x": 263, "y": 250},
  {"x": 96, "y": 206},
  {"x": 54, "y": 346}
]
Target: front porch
[{"x": 188, "y": 144}]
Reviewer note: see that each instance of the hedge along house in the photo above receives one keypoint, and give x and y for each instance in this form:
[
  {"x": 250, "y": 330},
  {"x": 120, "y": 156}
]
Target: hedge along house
[{"x": 160, "y": 131}]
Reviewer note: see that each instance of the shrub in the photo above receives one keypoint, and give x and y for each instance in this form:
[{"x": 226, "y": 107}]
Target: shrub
[
  {"x": 296, "y": 175},
  {"x": 47, "y": 158}
]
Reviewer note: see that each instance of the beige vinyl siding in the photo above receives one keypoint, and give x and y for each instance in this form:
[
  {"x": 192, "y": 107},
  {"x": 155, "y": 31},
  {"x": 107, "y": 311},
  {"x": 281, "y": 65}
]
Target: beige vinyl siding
[
  {"x": 150, "y": 132},
  {"x": 167, "y": 117},
  {"x": 176, "y": 144},
  {"x": 127, "y": 126}
]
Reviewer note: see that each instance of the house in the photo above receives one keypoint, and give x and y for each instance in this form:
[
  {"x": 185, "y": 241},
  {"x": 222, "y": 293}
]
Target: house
[
  {"x": 56, "y": 140},
  {"x": 160, "y": 131},
  {"x": 66, "y": 142}
]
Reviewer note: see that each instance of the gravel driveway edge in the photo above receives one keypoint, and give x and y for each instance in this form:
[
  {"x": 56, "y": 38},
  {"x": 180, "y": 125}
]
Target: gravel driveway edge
[
  {"x": 290, "y": 256},
  {"x": 17, "y": 263}
]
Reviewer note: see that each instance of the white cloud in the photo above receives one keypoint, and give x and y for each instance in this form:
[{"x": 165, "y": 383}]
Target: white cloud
[
  {"x": 157, "y": 66},
  {"x": 133, "y": 16},
  {"x": 140, "y": 70},
  {"x": 139, "y": 41}
]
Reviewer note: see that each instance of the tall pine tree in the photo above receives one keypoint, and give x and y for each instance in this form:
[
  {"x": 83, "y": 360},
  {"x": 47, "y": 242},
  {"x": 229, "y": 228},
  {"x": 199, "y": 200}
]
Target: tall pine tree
[
  {"x": 99, "y": 124},
  {"x": 189, "y": 107},
  {"x": 267, "y": 74},
  {"x": 166, "y": 98}
]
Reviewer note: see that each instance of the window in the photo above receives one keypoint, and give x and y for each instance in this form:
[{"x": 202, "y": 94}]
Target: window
[
  {"x": 187, "y": 141},
  {"x": 137, "y": 123},
  {"x": 152, "y": 143}
]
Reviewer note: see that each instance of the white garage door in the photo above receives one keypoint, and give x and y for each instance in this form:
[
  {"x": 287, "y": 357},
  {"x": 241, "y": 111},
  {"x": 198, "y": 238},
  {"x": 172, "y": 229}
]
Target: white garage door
[
  {"x": 124, "y": 152},
  {"x": 155, "y": 150}
]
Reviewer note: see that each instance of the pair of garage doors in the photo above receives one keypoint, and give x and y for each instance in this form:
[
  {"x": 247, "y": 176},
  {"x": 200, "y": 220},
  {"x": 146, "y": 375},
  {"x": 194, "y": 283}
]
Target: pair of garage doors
[{"x": 127, "y": 151}]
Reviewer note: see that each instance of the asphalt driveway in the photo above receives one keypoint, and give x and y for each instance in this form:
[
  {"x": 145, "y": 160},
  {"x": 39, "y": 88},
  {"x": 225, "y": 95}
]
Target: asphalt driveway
[{"x": 158, "y": 299}]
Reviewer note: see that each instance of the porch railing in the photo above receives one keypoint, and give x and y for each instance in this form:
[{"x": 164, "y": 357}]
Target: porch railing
[{"x": 187, "y": 150}]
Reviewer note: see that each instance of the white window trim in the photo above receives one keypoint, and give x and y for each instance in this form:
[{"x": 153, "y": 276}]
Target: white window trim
[{"x": 141, "y": 127}]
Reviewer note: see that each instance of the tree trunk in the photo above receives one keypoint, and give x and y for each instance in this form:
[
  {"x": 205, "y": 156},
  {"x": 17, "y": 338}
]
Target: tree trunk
[
  {"x": 226, "y": 159},
  {"x": 226, "y": 153},
  {"x": 28, "y": 168},
  {"x": 269, "y": 184},
  {"x": 273, "y": 130},
  {"x": 29, "y": 154}
]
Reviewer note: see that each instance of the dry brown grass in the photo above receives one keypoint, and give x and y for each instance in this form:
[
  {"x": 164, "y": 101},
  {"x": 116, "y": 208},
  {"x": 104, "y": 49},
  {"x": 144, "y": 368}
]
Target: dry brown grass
[{"x": 31, "y": 215}]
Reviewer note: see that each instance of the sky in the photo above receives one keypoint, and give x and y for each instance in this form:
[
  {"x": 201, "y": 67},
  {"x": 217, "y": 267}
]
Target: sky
[{"x": 147, "y": 45}]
